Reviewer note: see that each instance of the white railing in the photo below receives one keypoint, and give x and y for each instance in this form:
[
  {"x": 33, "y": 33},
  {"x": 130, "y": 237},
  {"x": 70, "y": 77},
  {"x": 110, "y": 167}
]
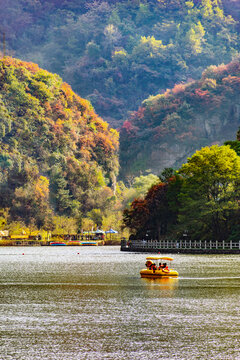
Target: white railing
[{"x": 186, "y": 244}]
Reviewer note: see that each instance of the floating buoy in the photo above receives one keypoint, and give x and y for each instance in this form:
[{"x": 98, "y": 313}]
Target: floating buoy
[{"x": 22, "y": 253}]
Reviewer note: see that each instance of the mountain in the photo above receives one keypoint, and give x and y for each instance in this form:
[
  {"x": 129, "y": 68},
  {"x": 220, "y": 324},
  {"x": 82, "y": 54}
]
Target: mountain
[
  {"x": 117, "y": 53},
  {"x": 57, "y": 156},
  {"x": 169, "y": 127}
]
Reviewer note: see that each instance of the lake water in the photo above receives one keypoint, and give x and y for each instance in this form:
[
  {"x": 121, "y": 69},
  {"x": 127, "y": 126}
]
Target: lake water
[{"x": 90, "y": 303}]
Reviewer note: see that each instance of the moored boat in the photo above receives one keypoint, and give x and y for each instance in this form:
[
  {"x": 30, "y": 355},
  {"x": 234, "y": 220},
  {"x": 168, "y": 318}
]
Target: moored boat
[
  {"x": 57, "y": 243},
  {"x": 157, "y": 266},
  {"x": 89, "y": 243},
  {"x": 74, "y": 243}
]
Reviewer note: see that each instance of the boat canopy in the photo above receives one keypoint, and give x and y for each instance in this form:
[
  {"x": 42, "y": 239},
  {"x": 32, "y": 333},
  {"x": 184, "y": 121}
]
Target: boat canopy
[{"x": 167, "y": 258}]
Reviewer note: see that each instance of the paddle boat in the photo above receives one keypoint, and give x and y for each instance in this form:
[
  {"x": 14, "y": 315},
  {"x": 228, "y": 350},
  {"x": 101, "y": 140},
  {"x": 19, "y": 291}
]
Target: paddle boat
[
  {"x": 74, "y": 242},
  {"x": 88, "y": 243},
  {"x": 157, "y": 266},
  {"x": 57, "y": 243}
]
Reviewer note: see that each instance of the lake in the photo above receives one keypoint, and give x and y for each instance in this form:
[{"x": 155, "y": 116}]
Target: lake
[{"x": 90, "y": 303}]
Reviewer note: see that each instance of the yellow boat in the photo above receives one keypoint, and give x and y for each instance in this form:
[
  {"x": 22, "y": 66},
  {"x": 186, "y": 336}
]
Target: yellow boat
[{"x": 157, "y": 266}]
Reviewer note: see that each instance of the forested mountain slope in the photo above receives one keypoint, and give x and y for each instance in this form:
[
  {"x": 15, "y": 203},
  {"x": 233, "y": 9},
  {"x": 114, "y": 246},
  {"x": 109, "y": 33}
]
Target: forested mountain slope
[
  {"x": 57, "y": 156},
  {"x": 169, "y": 127},
  {"x": 117, "y": 53}
]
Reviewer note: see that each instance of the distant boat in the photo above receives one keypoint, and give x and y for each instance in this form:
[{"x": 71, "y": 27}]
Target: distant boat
[
  {"x": 89, "y": 243},
  {"x": 56, "y": 243},
  {"x": 73, "y": 243}
]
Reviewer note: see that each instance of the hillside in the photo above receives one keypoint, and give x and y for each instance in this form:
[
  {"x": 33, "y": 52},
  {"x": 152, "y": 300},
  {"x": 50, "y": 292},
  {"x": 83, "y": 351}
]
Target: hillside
[
  {"x": 169, "y": 127},
  {"x": 57, "y": 156},
  {"x": 117, "y": 53}
]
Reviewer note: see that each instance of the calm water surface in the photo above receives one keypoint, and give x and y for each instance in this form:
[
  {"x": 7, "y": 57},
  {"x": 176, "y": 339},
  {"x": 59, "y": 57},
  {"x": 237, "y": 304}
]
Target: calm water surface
[{"x": 90, "y": 303}]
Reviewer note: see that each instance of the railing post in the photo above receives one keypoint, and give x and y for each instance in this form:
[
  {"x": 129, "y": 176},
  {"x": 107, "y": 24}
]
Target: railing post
[
  {"x": 210, "y": 244},
  {"x": 231, "y": 244},
  {"x": 205, "y": 244},
  {"x": 223, "y": 244}
]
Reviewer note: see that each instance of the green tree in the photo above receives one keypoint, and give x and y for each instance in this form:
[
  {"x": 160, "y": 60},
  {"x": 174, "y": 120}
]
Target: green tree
[
  {"x": 4, "y": 214},
  {"x": 195, "y": 37},
  {"x": 210, "y": 192},
  {"x": 96, "y": 216},
  {"x": 64, "y": 225},
  {"x": 139, "y": 187},
  {"x": 93, "y": 50},
  {"x": 166, "y": 174},
  {"x": 235, "y": 145},
  {"x": 60, "y": 193}
]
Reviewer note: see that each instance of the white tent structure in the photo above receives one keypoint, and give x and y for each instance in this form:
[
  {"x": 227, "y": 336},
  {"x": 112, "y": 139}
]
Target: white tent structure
[{"x": 111, "y": 231}]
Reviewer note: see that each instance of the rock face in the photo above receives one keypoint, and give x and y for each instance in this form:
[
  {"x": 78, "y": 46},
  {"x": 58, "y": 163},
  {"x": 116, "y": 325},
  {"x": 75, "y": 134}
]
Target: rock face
[
  {"x": 170, "y": 127},
  {"x": 166, "y": 156},
  {"x": 215, "y": 129}
]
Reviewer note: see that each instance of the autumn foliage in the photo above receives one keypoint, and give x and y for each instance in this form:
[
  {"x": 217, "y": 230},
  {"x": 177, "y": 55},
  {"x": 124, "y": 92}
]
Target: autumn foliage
[
  {"x": 188, "y": 116},
  {"x": 117, "y": 53},
  {"x": 150, "y": 218},
  {"x": 56, "y": 154}
]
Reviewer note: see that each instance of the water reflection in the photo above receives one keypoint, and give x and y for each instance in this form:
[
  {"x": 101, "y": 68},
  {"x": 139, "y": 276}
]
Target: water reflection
[{"x": 166, "y": 283}]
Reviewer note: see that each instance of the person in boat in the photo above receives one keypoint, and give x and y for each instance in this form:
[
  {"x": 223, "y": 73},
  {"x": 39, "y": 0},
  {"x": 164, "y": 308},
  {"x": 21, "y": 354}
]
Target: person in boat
[
  {"x": 148, "y": 264},
  {"x": 165, "y": 267},
  {"x": 153, "y": 267}
]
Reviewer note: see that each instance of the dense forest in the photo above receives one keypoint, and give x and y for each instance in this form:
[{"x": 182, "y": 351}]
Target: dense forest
[
  {"x": 117, "y": 53},
  {"x": 171, "y": 126},
  {"x": 57, "y": 156},
  {"x": 58, "y": 159}
]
